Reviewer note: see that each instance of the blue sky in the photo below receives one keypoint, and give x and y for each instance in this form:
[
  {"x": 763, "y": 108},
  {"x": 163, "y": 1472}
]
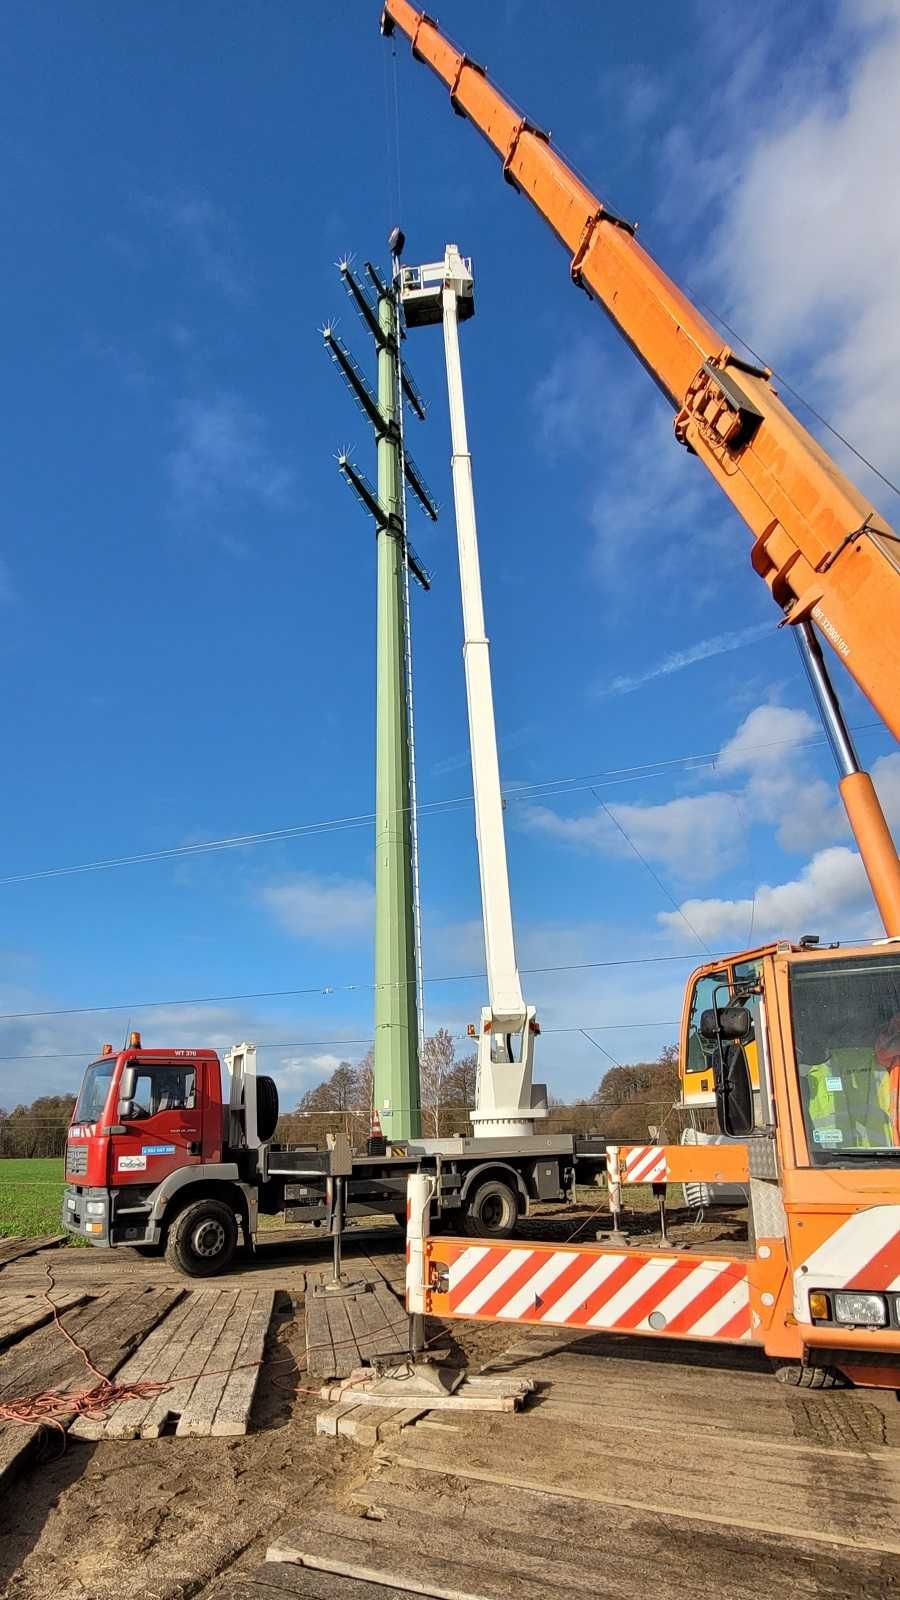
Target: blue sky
[{"x": 187, "y": 589}]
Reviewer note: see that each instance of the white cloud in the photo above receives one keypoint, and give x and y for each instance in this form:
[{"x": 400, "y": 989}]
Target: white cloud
[
  {"x": 694, "y": 836},
  {"x": 808, "y": 238},
  {"x": 703, "y": 650},
  {"x": 325, "y": 909},
  {"x": 831, "y": 897},
  {"x": 639, "y": 473},
  {"x": 222, "y": 452},
  {"x": 886, "y": 778}
]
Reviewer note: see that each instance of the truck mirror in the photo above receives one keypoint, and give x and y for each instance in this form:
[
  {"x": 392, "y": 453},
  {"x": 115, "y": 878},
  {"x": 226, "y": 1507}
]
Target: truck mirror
[
  {"x": 734, "y": 1091},
  {"x": 126, "y": 1111},
  {"x": 728, "y": 1024},
  {"x": 128, "y": 1083}
]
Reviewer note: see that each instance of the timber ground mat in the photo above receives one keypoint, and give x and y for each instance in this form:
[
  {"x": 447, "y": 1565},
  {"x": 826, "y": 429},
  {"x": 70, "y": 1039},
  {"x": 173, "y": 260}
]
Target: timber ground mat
[{"x": 591, "y": 1488}]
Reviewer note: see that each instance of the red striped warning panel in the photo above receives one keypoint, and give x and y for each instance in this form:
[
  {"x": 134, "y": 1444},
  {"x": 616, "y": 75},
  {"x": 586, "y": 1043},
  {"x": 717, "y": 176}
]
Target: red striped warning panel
[
  {"x": 644, "y": 1163},
  {"x": 623, "y": 1291}
]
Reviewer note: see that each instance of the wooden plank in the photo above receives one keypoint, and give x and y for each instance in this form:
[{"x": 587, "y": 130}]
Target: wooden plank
[
  {"x": 464, "y": 1399},
  {"x": 319, "y": 1343},
  {"x": 277, "y": 1579},
  {"x": 199, "y": 1412},
  {"x": 627, "y": 1554},
  {"x": 454, "y": 1557},
  {"x": 13, "y": 1249},
  {"x": 27, "y": 1312},
  {"x": 233, "y": 1413},
  {"x": 371, "y": 1425},
  {"x": 110, "y": 1327},
  {"x": 343, "y": 1339},
  {"x": 122, "y": 1421},
  {"x": 808, "y": 1494},
  {"x": 327, "y": 1421},
  {"x": 195, "y": 1340}
]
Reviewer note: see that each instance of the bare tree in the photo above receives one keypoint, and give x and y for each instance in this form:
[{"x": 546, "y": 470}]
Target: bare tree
[{"x": 435, "y": 1064}]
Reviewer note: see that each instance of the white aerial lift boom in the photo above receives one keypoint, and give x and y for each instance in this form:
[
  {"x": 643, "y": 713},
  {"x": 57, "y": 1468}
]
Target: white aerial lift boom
[{"x": 507, "y": 1103}]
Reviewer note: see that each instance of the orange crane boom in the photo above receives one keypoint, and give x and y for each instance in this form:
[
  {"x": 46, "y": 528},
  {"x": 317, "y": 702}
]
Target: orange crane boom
[{"x": 822, "y": 548}]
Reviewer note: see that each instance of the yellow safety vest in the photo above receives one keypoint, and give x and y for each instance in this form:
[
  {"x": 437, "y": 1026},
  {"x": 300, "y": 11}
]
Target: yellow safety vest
[{"x": 849, "y": 1101}]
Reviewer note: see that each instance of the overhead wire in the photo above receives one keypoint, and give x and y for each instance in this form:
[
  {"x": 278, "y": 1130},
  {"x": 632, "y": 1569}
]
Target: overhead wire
[
  {"x": 545, "y": 788},
  {"x": 330, "y": 989}
]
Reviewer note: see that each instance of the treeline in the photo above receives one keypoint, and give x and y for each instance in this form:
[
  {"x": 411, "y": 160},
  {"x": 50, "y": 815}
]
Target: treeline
[
  {"x": 628, "y": 1102},
  {"x": 36, "y": 1130}
]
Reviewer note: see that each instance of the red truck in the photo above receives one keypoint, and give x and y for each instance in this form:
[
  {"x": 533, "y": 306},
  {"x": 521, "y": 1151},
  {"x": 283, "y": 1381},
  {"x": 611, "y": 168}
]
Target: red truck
[{"x": 165, "y": 1152}]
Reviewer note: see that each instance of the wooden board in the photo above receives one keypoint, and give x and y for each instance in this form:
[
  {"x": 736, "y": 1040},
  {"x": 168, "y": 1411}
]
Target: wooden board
[
  {"x": 110, "y": 1327},
  {"x": 208, "y": 1352},
  {"x": 276, "y": 1580},
  {"x": 345, "y": 1331},
  {"x": 458, "y": 1541},
  {"x": 21, "y": 1313},
  {"x": 14, "y": 1249},
  {"x": 365, "y": 1424},
  {"x": 805, "y": 1493}
]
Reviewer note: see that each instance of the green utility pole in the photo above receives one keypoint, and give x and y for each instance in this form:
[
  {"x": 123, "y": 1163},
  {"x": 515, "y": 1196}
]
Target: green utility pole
[{"x": 396, "y": 1094}]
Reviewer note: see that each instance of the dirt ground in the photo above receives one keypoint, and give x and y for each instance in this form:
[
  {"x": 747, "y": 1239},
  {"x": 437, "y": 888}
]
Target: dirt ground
[{"x": 162, "y": 1518}]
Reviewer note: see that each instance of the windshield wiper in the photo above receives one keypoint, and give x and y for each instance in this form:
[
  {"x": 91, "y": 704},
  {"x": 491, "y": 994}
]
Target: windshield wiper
[{"x": 884, "y": 1152}]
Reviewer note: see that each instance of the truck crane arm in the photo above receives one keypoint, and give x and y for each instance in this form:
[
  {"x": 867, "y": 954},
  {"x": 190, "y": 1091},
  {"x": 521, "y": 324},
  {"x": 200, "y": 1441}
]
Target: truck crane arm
[{"x": 824, "y": 551}]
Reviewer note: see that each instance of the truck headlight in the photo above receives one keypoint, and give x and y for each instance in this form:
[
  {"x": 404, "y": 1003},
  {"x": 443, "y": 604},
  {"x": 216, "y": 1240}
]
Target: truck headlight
[
  {"x": 70, "y": 1202},
  {"x": 860, "y": 1310},
  {"x": 95, "y": 1208}
]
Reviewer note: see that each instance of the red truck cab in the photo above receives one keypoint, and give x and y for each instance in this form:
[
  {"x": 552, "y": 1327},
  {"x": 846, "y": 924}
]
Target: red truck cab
[{"x": 142, "y": 1117}]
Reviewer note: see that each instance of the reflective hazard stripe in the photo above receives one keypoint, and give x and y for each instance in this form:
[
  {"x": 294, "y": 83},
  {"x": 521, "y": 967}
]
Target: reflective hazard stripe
[
  {"x": 626, "y": 1291},
  {"x": 645, "y": 1163},
  {"x": 863, "y": 1253}
]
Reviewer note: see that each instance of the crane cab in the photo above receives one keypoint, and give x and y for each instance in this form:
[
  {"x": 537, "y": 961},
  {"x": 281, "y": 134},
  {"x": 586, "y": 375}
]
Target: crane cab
[{"x": 735, "y": 978}]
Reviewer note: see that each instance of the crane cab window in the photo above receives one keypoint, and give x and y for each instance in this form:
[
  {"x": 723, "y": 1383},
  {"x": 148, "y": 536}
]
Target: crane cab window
[
  {"x": 846, "y": 1020},
  {"x": 708, "y": 992}
]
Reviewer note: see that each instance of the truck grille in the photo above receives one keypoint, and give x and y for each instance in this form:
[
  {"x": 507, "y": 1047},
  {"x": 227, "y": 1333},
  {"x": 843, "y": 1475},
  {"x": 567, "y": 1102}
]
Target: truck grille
[{"x": 76, "y": 1160}]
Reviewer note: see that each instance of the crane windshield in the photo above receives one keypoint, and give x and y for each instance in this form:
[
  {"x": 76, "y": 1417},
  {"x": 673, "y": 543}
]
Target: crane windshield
[{"x": 846, "y": 1016}]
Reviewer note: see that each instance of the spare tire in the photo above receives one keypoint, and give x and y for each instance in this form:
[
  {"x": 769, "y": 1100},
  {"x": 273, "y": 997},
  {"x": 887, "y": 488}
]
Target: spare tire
[{"x": 266, "y": 1108}]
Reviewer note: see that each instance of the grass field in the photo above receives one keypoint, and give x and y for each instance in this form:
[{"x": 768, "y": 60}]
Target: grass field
[{"x": 30, "y": 1196}]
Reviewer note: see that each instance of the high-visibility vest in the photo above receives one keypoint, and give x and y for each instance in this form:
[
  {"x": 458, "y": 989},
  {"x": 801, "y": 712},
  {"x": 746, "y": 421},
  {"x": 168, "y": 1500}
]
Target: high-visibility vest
[{"x": 849, "y": 1095}]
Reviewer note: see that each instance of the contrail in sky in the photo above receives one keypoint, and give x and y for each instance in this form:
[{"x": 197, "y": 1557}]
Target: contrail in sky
[{"x": 718, "y": 645}]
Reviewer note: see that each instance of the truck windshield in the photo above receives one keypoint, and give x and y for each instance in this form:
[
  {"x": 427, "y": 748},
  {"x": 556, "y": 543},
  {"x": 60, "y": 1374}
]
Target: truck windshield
[
  {"x": 94, "y": 1090},
  {"x": 846, "y": 1016}
]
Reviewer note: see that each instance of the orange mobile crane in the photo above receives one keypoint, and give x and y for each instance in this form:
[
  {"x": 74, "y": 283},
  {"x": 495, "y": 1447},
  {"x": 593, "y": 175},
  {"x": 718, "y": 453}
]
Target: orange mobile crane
[
  {"x": 797, "y": 1048},
  {"x": 824, "y": 551}
]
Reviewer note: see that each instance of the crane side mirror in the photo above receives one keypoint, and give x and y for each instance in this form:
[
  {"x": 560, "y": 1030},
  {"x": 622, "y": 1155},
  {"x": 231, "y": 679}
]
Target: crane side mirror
[
  {"x": 126, "y": 1111},
  {"x": 734, "y": 1091},
  {"x": 729, "y": 1023},
  {"x": 128, "y": 1083}
]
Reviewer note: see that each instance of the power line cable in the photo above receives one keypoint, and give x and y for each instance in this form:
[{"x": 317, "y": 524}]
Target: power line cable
[
  {"x": 322, "y": 1044},
  {"x": 546, "y": 788},
  {"x": 330, "y": 989}
]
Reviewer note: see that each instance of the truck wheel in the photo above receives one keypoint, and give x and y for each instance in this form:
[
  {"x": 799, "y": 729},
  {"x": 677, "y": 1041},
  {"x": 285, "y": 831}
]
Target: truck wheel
[
  {"x": 202, "y": 1239},
  {"x": 492, "y": 1211},
  {"x": 266, "y": 1108},
  {"x": 799, "y": 1376}
]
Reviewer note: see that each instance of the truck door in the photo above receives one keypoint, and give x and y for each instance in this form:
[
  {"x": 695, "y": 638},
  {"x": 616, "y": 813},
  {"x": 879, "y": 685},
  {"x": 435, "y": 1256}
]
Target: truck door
[{"x": 163, "y": 1123}]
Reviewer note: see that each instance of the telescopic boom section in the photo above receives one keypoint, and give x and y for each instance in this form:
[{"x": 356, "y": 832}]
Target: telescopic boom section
[{"x": 821, "y": 547}]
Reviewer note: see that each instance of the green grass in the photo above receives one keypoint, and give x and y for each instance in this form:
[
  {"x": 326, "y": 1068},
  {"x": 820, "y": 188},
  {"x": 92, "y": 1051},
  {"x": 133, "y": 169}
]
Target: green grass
[{"x": 30, "y": 1196}]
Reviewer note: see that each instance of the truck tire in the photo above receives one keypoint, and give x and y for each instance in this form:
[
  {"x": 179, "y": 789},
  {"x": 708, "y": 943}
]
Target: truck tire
[
  {"x": 266, "y": 1108},
  {"x": 799, "y": 1376},
  {"x": 202, "y": 1239},
  {"x": 492, "y": 1211}
]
